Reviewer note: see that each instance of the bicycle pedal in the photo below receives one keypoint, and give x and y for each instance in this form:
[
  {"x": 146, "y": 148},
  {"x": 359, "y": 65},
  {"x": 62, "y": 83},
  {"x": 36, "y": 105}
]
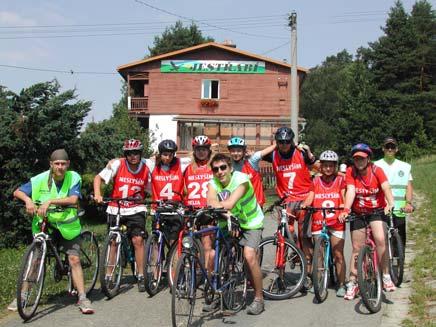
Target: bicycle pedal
[{"x": 227, "y": 313}]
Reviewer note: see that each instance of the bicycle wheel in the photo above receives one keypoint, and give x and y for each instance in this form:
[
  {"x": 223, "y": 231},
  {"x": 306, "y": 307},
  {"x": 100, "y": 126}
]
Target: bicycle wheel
[
  {"x": 111, "y": 266},
  {"x": 369, "y": 279},
  {"x": 173, "y": 257},
  {"x": 231, "y": 271},
  {"x": 396, "y": 257},
  {"x": 320, "y": 269},
  {"x": 89, "y": 259},
  {"x": 184, "y": 292},
  {"x": 153, "y": 263},
  {"x": 31, "y": 279},
  {"x": 281, "y": 282}
]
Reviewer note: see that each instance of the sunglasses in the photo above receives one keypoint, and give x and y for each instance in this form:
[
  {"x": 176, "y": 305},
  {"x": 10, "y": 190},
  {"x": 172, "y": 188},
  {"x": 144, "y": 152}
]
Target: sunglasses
[
  {"x": 284, "y": 142},
  {"x": 215, "y": 169},
  {"x": 132, "y": 153},
  {"x": 390, "y": 146}
]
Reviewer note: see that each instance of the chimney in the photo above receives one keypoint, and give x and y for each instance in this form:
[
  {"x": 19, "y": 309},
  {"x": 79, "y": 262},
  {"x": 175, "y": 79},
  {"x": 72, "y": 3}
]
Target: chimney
[{"x": 229, "y": 43}]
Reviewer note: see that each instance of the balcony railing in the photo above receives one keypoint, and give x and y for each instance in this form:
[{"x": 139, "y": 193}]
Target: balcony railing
[{"x": 138, "y": 104}]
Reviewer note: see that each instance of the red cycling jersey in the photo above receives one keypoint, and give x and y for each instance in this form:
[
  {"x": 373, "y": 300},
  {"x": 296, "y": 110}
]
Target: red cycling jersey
[
  {"x": 167, "y": 185},
  {"x": 293, "y": 176},
  {"x": 196, "y": 181},
  {"x": 328, "y": 196},
  {"x": 369, "y": 194},
  {"x": 256, "y": 181},
  {"x": 127, "y": 183}
]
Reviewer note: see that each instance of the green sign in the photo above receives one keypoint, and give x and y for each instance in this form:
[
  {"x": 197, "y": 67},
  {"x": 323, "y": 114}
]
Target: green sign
[{"x": 212, "y": 66}]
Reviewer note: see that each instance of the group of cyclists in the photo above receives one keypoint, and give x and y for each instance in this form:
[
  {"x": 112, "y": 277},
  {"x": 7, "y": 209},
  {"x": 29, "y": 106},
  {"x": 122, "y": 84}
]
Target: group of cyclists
[{"x": 234, "y": 182}]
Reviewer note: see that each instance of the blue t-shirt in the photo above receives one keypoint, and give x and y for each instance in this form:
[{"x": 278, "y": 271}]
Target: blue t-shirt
[{"x": 27, "y": 189}]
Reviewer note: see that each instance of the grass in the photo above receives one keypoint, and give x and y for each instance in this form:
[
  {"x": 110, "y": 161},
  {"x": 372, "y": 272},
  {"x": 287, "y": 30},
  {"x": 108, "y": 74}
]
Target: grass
[{"x": 423, "y": 232}]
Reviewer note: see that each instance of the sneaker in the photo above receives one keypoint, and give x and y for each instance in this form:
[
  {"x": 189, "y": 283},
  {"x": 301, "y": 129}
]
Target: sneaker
[
  {"x": 256, "y": 307},
  {"x": 85, "y": 306},
  {"x": 388, "y": 285},
  {"x": 211, "y": 307},
  {"x": 341, "y": 291},
  {"x": 352, "y": 290},
  {"x": 141, "y": 284},
  {"x": 13, "y": 305}
]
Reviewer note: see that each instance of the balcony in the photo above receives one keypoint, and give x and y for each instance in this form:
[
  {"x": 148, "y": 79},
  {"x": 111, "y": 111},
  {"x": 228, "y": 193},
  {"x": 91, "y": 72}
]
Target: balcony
[{"x": 137, "y": 104}]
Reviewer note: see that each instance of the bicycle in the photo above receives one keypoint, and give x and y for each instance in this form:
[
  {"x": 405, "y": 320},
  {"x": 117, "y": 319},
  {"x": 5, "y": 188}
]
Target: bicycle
[
  {"x": 281, "y": 261},
  {"x": 228, "y": 279},
  {"x": 176, "y": 250},
  {"x": 117, "y": 252},
  {"x": 32, "y": 273},
  {"x": 323, "y": 268},
  {"x": 395, "y": 252},
  {"x": 369, "y": 276},
  {"x": 159, "y": 252}
]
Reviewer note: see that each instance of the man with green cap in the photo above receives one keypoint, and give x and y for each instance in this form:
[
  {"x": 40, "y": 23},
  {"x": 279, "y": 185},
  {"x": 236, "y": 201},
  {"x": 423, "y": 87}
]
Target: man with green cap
[
  {"x": 58, "y": 186},
  {"x": 400, "y": 178}
]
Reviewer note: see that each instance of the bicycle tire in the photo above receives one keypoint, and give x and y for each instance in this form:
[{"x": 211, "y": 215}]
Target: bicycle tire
[
  {"x": 173, "y": 258},
  {"x": 184, "y": 291},
  {"x": 320, "y": 269},
  {"x": 231, "y": 270},
  {"x": 396, "y": 257},
  {"x": 89, "y": 259},
  {"x": 110, "y": 284},
  {"x": 369, "y": 280},
  {"x": 153, "y": 268},
  {"x": 284, "y": 285},
  {"x": 34, "y": 255}
]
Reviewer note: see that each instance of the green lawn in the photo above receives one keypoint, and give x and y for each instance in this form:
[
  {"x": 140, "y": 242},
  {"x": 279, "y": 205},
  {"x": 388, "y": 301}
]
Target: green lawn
[{"x": 423, "y": 234}]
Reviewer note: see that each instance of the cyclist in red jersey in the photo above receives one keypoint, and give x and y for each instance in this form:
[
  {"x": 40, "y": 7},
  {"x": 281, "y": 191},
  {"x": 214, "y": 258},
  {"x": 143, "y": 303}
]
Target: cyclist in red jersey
[
  {"x": 291, "y": 167},
  {"x": 328, "y": 190},
  {"x": 367, "y": 192},
  {"x": 198, "y": 172},
  {"x": 130, "y": 176},
  {"x": 197, "y": 176},
  {"x": 249, "y": 165}
]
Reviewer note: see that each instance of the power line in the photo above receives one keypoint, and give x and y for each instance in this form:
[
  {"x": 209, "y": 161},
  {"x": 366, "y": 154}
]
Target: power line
[
  {"x": 71, "y": 72},
  {"x": 273, "y": 49},
  {"x": 205, "y": 23}
]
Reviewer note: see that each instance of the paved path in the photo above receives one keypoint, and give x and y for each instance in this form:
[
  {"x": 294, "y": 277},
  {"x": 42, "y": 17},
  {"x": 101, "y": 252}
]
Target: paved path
[{"x": 131, "y": 308}]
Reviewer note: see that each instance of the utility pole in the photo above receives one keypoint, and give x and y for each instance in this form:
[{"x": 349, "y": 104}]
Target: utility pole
[{"x": 294, "y": 76}]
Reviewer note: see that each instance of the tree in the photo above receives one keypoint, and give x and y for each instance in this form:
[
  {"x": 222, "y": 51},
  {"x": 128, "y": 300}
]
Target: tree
[
  {"x": 33, "y": 124},
  {"x": 177, "y": 37},
  {"x": 401, "y": 62}
]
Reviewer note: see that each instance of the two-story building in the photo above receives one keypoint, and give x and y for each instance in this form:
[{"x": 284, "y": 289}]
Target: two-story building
[{"x": 212, "y": 89}]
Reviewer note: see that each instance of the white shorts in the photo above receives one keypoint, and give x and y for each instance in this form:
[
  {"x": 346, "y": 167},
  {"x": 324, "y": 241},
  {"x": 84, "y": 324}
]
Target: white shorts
[{"x": 336, "y": 233}]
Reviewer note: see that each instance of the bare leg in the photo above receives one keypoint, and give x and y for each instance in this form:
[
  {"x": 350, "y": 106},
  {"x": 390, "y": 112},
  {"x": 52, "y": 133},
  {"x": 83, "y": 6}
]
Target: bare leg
[{"x": 252, "y": 262}]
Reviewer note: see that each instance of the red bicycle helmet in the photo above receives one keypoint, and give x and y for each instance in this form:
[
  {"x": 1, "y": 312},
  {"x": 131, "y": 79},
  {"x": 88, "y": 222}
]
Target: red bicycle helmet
[
  {"x": 201, "y": 140},
  {"x": 132, "y": 144}
]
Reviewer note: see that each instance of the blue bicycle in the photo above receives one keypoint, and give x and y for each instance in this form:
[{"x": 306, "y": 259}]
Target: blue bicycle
[
  {"x": 323, "y": 268},
  {"x": 228, "y": 279}
]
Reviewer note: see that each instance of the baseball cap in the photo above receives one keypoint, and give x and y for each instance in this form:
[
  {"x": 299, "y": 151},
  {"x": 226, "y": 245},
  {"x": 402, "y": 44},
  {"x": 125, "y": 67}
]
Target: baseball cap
[
  {"x": 360, "y": 154},
  {"x": 390, "y": 140}
]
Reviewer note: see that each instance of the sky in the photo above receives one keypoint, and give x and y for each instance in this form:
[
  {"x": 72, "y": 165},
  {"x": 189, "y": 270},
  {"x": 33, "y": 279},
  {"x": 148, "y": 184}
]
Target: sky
[{"x": 93, "y": 37}]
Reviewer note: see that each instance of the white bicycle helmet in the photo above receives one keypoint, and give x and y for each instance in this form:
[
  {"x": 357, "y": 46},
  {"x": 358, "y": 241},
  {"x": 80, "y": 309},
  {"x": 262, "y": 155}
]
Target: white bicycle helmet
[{"x": 328, "y": 155}]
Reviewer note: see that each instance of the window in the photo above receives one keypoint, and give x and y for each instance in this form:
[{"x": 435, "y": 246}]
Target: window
[{"x": 210, "y": 89}]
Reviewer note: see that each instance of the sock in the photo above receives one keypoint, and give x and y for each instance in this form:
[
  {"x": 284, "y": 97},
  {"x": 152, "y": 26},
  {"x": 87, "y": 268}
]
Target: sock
[{"x": 82, "y": 296}]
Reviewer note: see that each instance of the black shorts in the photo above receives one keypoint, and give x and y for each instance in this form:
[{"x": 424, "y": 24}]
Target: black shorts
[
  {"x": 362, "y": 220},
  {"x": 135, "y": 223},
  {"x": 170, "y": 225}
]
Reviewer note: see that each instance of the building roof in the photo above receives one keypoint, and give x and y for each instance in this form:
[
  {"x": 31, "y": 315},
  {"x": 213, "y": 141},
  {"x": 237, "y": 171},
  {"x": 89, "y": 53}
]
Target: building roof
[{"x": 206, "y": 45}]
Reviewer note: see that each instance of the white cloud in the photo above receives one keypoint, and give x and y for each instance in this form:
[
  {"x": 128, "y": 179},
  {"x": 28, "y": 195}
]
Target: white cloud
[{"x": 9, "y": 18}]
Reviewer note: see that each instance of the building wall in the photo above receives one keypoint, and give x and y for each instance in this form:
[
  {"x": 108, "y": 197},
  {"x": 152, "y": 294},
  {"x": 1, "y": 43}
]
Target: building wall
[
  {"x": 240, "y": 94},
  {"x": 162, "y": 127}
]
